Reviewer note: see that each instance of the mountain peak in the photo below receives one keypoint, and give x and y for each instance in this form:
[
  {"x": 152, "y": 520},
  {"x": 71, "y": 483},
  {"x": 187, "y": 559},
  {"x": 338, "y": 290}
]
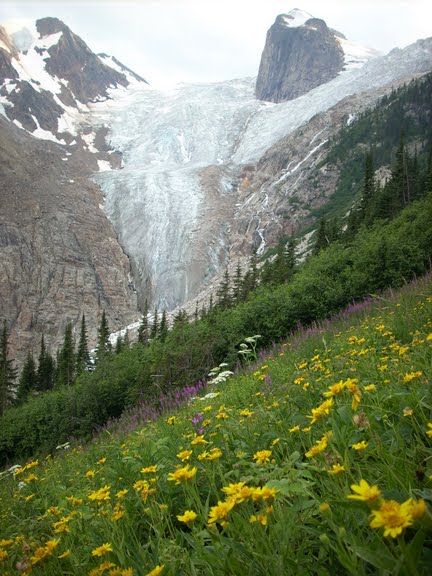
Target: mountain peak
[
  {"x": 294, "y": 19},
  {"x": 47, "y": 26}
]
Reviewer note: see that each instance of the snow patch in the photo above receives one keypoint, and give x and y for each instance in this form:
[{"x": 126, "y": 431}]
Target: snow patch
[
  {"x": 351, "y": 118},
  {"x": 296, "y": 18},
  {"x": 355, "y": 55},
  {"x": 89, "y": 140},
  {"x": 48, "y": 41},
  {"x": 44, "y": 134},
  {"x": 104, "y": 165}
]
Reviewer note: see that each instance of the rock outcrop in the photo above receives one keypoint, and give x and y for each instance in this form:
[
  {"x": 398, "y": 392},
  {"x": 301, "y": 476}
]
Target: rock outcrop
[
  {"x": 300, "y": 53},
  {"x": 60, "y": 256}
]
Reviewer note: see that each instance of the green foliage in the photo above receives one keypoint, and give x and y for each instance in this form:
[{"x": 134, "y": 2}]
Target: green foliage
[
  {"x": 46, "y": 369},
  {"x": 267, "y": 485},
  {"x": 384, "y": 255},
  {"x": 83, "y": 361},
  {"x": 66, "y": 360},
  {"x": 28, "y": 379},
  {"x": 406, "y": 111},
  {"x": 104, "y": 347}
]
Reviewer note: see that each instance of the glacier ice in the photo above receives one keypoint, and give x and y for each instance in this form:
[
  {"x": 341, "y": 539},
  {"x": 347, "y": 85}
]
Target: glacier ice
[{"x": 168, "y": 139}]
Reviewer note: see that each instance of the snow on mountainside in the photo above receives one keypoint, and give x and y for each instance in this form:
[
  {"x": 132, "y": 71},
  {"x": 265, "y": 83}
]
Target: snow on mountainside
[
  {"x": 48, "y": 75},
  {"x": 182, "y": 152}
]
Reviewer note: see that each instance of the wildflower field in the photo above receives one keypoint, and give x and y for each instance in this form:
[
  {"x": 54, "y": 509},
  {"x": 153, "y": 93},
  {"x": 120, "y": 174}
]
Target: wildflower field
[{"x": 315, "y": 458}]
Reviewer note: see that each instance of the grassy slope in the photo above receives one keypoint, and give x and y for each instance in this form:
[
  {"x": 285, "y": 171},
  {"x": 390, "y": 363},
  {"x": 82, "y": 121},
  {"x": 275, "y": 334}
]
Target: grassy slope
[{"x": 384, "y": 348}]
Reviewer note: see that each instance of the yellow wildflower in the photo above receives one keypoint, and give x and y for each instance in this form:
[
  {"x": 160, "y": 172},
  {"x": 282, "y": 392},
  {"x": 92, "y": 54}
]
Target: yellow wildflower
[
  {"x": 364, "y": 492},
  {"x": 322, "y": 409},
  {"x": 429, "y": 432},
  {"x": 370, "y": 388},
  {"x": 118, "y": 512},
  {"x": 101, "y": 461},
  {"x": 156, "y": 571},
  {"x": 149, "y": 470},
  {"x": 264, "y": 493},
  {"x": 324, "y": 507},
  {"x": 90, "y": 474},
  {"x": 407, "y": 411},
  {"x": 184, "y": 455},
  {"x": 187, "y": 517},
  {"x": 417, "y": 508},
  {"x": 275, "y": 441},
  {"x": 143, "y": 488},
  {"x": 101, "y": 494},
  {"x": 30, "y": 478},
  {"x": 5, "y": 543},
  {"x": 3, "y": 555},
  {"x": 262, "y": 456},
  {"x": 219, "y": 513},
  {"x": 411, "y": 375},
  {"x": 294, "y": 429},
  {"x": 335, "y": 389},
  {"x": 102, "y": 550},
  {"x": 198, "y": 440},
  {"x": 319, "y": 447},
  {"x": 121, "y": 494},
  {"x": 336, "y": 469},
  {"x": 182, "y": 474},
  {"x": 171, "y": 420},
  {"x": 360, "y": 445},
  {"x": 74, "y": 501},
  {"x": 65, "y": 554},
  {"x": 238, "y": 492},
  {"x": 247, "y": 413},
  {"x": 391, "y": 516},
  {"x": 260, "y": 518}
]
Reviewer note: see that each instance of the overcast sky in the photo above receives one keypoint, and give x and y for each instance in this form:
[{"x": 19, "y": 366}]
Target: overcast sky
[{"x": 170, "y": 41}]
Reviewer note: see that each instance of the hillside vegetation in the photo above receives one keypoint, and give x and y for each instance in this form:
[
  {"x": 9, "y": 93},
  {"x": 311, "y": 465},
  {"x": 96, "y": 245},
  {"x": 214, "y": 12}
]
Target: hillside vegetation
[{"x": 315, "y": 459}]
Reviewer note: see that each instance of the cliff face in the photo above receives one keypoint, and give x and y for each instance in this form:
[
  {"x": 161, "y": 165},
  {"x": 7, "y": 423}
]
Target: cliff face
[
  {"x": 300, "y": 53},
  {"x": 59, "y": 254}
]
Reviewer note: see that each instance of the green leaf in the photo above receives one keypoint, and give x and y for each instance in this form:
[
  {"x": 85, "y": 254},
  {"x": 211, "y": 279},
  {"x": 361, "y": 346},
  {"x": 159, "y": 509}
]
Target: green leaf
[{"x": 380, "y": 560}]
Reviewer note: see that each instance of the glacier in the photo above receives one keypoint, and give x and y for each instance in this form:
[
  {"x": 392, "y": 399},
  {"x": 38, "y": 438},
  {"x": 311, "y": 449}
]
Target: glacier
[{"x": 164, "y": 200}]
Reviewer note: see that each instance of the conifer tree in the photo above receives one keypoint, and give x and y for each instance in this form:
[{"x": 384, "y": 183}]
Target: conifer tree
[
  {"x": 66, "y": 359},
  {"x": 126, "y": 340},
  {"x": 224, "y": 292},
  {"x": 83, "y": 361},
  {"x": 118, "y": 345},
  {"x": 238, "y": 284},
  {"x": 46, "y": 369},
  {"x": 8, "y": 372},
  {"x": 428, "y": 176},
  {"x": 154, "y": 331},
  {"x": 143, "y": 330},
  {"x": 321, "y": 240},
  {"x": 104, "y": 347},
  {"x": 163, "y": 328},
  {"x": 28, "y": 379}
]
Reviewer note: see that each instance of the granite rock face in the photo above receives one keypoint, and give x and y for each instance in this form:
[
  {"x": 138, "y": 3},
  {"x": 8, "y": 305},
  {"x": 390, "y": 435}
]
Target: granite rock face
[
  {"x": 297, "y": 58},
  {"x": 59, "y": 255}
]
